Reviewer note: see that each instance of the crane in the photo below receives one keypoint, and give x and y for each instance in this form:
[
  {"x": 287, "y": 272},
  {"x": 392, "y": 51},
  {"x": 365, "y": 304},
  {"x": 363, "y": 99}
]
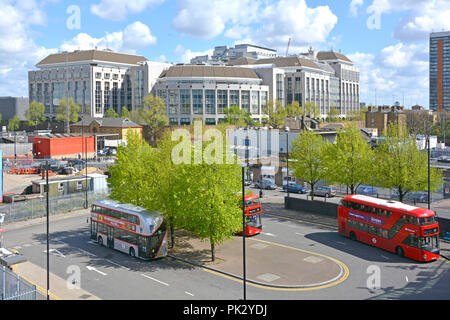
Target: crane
[{"x": 287, "y": 49}]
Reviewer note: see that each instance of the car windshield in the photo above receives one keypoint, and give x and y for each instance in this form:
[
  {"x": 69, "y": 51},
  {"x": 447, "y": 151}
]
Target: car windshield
[{"x": 252, "y": 202}]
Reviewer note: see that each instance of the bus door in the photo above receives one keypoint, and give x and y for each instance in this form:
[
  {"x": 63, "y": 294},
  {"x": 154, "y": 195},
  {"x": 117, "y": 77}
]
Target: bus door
[
  {"x": 110, "y": 237},
  {"x": 93, "y": 229}
]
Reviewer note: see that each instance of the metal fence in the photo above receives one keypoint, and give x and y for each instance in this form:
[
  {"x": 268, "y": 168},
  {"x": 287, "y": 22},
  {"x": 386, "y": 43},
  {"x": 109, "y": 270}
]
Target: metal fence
[
  {"x": 13, "y": 287},
  {"x": 18, "y": 211},
  {"x": 386, "y": 193}
]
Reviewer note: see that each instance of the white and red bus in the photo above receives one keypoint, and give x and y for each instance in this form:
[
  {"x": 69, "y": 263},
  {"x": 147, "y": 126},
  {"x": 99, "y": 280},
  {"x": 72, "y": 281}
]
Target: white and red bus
[
  {"x": 409, "y": 231},
  {"x": 130, "y": 229},
  {"x": 253, "y": 210}
]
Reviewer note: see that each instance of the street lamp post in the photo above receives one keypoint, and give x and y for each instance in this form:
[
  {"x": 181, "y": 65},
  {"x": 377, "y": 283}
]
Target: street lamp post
[
  {"x": 48, "y": 242},
  {"x": 287, "y": 160},
  {"x": 243, "y": 233}
]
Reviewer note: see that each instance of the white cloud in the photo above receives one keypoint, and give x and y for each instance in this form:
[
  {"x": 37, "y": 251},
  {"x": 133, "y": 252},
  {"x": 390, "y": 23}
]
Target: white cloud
[
  {"x": 135, "y": 36},
  {"x": 270, "y": 24},
  {"x": 187, "y": 54},
  {"x": 207, "y": 19},
  {"x": 397, "y": 72},
  {"x": 117, "y": 10},
  {"x": 18, "y": 51}
]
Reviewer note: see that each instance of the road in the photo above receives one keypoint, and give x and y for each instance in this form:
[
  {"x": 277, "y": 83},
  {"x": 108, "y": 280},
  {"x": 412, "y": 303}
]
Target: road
[{"x": 109, "y": 274}]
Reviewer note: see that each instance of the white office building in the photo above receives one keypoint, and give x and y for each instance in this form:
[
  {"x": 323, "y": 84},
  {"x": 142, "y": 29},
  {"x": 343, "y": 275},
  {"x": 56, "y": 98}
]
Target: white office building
[
  {"x": 193, "y": 91},
  {"x": 97, "y": 80}
]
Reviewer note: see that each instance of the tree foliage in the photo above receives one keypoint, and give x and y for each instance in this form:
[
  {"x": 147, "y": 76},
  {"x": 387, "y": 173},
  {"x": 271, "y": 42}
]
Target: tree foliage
[
  {"x": 111, "y": 113},
  {"x": 13, "y": 123},
  {"x": 350, "y": 160},
  {"x": 71, "y": 115},
  {"x": 35, "y": 113},
  {"x": 401, "y": 165},
  {"x": 151, "y": 114},
  {"x": 308, "y": 155},
  {"x": 276, "y": 112}
]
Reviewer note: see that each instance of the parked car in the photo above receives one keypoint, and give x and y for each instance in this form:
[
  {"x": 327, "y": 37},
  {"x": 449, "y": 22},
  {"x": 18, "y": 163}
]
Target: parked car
[
  {"x": 421, "y": 197},
  {"x": 295, "y": 188},
  {"x": 265, "y": 184},
  {"x": 367, "y": 190},
  {"x": 247, "y": 182},
  {"x": 325, "y": 191}
]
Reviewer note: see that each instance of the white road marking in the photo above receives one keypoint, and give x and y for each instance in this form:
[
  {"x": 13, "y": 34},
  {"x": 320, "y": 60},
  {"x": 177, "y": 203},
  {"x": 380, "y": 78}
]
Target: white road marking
[
  {"x": 406, "y": 278},
  {"x": 93, "y": 269},
  {"x": 55, "y": 252},
  {"x": 269, "y": 234},
  {"x": 17, "y": 247},
  {"x": 300, "y": 234},
  {"x": 340, "y": 243},
  {"x": 154, "y": 279},
  {"x": 116, "y": 264},
  {"x": 385, "y": 257},
  {"x": 189, "y": 293},
  {"x": 88, "y": 253}
]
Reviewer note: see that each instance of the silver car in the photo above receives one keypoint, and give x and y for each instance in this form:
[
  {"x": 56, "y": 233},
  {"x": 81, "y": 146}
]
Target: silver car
[{"x": 325, "y": 191}]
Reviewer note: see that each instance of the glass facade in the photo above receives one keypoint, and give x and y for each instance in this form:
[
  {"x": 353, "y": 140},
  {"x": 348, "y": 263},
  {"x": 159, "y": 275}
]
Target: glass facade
[
  {"x": 245, "y": 100},
  {"x": 210, "y": 101},
  {"x": 222, "y": 101},
  {"x": 185, "y": 101},
  {"x": 197, "y": 101}
]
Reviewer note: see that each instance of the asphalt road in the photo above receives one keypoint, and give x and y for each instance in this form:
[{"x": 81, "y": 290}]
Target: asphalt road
[{"x": 109, "y": 274}]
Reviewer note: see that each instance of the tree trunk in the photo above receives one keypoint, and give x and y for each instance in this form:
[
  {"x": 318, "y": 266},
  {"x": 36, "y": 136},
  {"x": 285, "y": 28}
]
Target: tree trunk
[
  {"x": 213, "y": 257},
  {"x": 172, "y": 235},
  {"x": 312, "y": 191}
]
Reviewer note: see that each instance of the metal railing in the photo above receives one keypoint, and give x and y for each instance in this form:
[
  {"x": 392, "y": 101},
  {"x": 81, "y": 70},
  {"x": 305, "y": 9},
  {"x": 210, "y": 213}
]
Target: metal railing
[
  {"x": 13, "y": 287},
  {"x": 30, "y": 209}
]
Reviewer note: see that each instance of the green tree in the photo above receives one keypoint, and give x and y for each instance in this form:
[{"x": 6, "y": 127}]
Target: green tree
[
  {"x": 294, "y": 109},
  {"x": 401, "y": 165},
  {"x": 310, "y": 109},
  {"x": 209, "y": 195},
  {"x": 308, "y": 155},
  {"x": 152, "y": 114},
  {"x": 13, "y": 123},
  {"x": 333, "y": 115},
  {"x": 35, "y": 114},
  {"x": 350, "y": 159},
  {"x": 68, "y": 114},
  {"x": 125, "y": 113},
  {"x": 111, "y": 113},
  {"x": 276, "y": 112}
]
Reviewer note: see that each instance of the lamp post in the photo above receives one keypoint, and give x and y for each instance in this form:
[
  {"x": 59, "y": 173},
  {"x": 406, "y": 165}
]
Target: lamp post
[
  {"x": 243, "y": 232},
  {"x": 429, "y": 193},
  {"x": 48, "y": 242},
  {"x": 286, "y": 129}
]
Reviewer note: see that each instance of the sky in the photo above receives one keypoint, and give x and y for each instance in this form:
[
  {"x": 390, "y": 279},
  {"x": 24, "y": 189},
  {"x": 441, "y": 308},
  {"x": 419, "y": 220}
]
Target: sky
[{"x": 387, "y": 39}]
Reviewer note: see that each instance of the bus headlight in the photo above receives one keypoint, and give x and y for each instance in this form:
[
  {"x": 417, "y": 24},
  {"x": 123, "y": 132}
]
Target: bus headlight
[{"x": 425, "y": 256}]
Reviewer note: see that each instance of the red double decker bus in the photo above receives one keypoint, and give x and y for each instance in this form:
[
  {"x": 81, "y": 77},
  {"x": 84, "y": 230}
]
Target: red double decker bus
[
  {"x": 253, "y": 212},
  {"x": 409, "y": 231}
]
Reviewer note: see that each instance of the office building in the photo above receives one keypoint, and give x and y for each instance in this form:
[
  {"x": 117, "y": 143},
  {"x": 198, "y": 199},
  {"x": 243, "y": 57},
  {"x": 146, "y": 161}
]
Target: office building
[
  {"x": 328, "y": 79},
  {"x": 13, "y": 106},
  {"x": 223, "y": 54},
  {"x": 440, "y": 71},
  {"x": 193, "y": 91},
  {"x": 97, "y": 80}
]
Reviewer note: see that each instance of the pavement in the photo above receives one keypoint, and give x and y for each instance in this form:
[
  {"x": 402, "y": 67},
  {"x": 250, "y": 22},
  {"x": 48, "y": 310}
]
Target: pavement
[{"x": 288, "y": 268}]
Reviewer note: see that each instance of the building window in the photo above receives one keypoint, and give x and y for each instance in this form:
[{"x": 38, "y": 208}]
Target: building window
[
  {"x": 210, "y": 101},
  {"x": 185, "y": 101},
  {"x": 106, "y": 94},
  {"x": 222, "y": 101},
  {"x": 98, "y": 97},
  {"x": 234, "y": 98},
  {"x": 255, "y": 102},
  {"x": 245, "y": 100},
  {"x": 197, "y": 99},
  {"x": 173, "y": 102}
]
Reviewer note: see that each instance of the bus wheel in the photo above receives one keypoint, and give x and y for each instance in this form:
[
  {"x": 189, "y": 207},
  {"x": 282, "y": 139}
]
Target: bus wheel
[
  {"x": 100, "y": 240},
  {"x": 352, "y": 236},
  {"x": 399, "y": 251},
  {"x": 132, "y": 253}
]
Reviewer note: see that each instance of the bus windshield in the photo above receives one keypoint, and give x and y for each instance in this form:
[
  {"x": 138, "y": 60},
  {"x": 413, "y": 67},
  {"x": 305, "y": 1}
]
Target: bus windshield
[
  {"x": 252, "y": 202},
  {"x": 254, "y": 221},
  {"x": 427, "y": 220}
]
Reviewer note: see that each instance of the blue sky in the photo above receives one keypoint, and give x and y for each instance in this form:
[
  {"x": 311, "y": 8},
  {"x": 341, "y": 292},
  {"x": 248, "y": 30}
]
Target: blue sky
[{"x": 387, "y": 39}]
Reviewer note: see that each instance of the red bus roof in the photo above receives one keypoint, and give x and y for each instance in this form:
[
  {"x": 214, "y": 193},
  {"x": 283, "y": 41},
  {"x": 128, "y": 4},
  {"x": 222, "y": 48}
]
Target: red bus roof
[
  {"x": 391, "y": 204},
  {"x": 251, "y": 196}
]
